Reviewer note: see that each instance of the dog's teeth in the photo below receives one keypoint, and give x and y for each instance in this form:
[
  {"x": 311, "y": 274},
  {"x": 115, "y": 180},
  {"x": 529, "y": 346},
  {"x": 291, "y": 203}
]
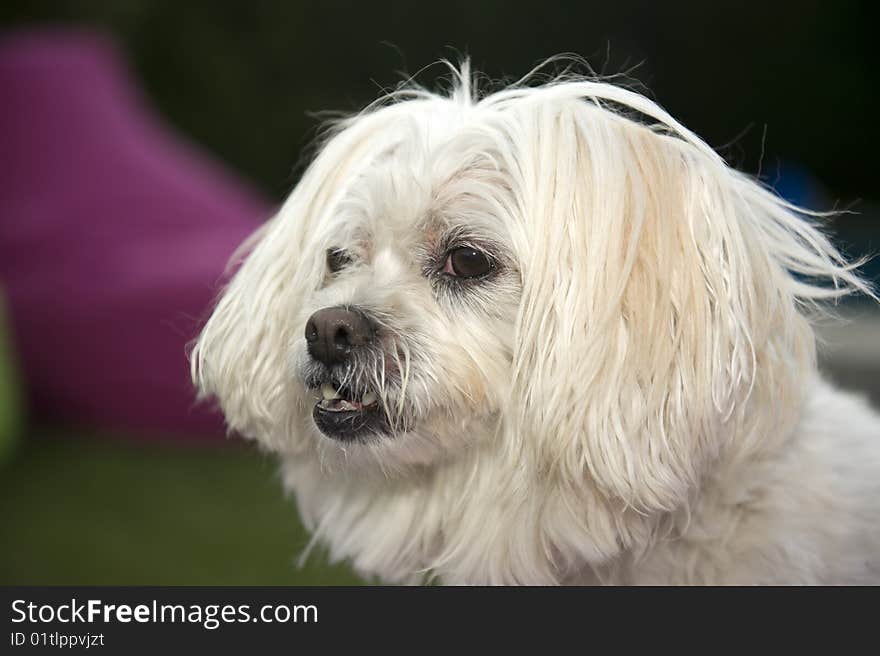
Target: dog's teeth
[
  {"x": 328, "y": 392},
  {"x": 369, "y": 398}
]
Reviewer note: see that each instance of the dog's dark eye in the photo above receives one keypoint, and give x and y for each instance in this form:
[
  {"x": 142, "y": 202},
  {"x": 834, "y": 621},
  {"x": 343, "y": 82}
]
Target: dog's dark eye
[
  {"x": 337, "y": 259},
  {"x": 467, "y": 262}
]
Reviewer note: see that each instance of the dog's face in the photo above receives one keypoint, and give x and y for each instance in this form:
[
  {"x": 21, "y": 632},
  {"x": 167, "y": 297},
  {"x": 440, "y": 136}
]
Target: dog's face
[
  {"x": 383, "y": 326},
  {"x": 405, "y": 343},
  {"x": 598, "y": 303}
]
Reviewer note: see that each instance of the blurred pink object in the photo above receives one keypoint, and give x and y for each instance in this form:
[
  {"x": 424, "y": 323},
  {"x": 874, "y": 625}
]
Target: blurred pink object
[{"x": 114, "y": 234}]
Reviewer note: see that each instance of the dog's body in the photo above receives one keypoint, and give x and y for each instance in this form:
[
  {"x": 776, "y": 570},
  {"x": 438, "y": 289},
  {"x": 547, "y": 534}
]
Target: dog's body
[
  {"x": 527, "y": 339},
  {"x": 806, "y": 513}
]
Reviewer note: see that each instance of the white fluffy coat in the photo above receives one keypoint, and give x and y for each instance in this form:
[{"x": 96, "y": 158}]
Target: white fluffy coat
[{"x": 633, "y": 396}]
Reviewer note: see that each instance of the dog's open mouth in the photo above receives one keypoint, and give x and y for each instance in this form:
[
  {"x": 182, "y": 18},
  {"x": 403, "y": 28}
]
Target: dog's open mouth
[
  {"x": 342, "y": 415},
  {"x": 335, "y": 401}
]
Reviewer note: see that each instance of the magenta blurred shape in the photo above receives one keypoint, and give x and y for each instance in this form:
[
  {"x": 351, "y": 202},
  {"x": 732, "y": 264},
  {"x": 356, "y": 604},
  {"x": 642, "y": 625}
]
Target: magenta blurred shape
[{"x": 114, "y": 234}]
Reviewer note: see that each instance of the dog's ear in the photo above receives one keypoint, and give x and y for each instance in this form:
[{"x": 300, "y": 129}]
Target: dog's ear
[
  {"x": 659, "y": 323},
  {"x": 241, "y": 356}
]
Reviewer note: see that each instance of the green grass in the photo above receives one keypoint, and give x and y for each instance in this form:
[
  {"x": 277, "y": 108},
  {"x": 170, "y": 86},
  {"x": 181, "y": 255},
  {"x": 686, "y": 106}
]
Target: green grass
[
  {"x": 81, "y": 510},
  {"x": 11, "y": 404}
]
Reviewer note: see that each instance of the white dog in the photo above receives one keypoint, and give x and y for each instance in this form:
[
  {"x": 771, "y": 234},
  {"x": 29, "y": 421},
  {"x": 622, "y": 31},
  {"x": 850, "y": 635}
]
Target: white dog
[{"x": 548, "y": 336}]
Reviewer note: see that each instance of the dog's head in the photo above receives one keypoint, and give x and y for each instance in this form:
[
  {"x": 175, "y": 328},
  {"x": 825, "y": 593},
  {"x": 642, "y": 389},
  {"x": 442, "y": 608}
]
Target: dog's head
[{"x": 564, "y": 273}]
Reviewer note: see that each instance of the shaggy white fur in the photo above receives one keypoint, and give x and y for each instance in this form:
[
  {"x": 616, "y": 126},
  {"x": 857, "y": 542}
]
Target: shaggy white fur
[{"x": 629, "y": 395}]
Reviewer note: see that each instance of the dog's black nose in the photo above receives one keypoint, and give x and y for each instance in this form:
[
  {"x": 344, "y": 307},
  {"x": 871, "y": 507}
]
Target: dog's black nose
[{"x": 332, "y": 333}]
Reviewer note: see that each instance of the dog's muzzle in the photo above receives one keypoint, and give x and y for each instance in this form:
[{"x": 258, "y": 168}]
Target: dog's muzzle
[{"x": 334, "y": 336}]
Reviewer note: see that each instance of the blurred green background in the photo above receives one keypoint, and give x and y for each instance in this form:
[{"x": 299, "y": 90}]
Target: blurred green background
[
  {"x": 80, "y": 508},
  {"x": 766, "y": 83},
  {"x": 240, "y": 77}
]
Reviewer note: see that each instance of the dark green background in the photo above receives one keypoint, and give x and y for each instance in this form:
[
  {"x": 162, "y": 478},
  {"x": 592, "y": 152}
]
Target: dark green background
[
  {"x": 239, "y": 77},
  {"x": 85, "y": 509}
]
